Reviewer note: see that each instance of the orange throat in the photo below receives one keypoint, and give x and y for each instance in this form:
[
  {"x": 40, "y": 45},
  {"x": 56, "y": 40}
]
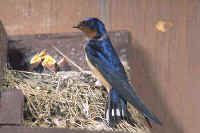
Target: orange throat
[{"x": 89, "y": 33}]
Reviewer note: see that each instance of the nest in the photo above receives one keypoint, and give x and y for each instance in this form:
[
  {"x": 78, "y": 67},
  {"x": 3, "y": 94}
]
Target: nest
[{"x": 66, "y": 100}]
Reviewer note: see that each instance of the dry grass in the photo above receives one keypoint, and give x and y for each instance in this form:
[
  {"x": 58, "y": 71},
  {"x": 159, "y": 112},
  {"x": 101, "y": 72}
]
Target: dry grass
[{"x": 66, "y": 99}]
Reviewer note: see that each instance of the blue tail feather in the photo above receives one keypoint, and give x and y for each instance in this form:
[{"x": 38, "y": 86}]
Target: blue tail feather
[{"x": 116, "y": 109}]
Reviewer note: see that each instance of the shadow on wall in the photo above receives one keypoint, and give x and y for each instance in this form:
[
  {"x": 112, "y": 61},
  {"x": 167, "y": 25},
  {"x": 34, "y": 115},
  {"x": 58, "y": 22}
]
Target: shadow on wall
[
  {"x": 17, "y": 58},
  {"x": 148, "y": 88}
]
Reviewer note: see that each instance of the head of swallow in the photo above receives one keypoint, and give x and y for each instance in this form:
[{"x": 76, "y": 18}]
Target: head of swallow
[{"x": 92, "y": 27}]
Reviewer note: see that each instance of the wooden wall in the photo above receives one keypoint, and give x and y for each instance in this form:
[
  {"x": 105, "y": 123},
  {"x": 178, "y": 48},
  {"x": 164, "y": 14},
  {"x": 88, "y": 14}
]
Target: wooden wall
[{"x": 165, "y": 65}]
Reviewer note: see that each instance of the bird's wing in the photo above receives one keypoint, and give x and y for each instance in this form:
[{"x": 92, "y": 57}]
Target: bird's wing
[
  {"x": 104, "y": 51},
  {"x": 118, "y": 80}
]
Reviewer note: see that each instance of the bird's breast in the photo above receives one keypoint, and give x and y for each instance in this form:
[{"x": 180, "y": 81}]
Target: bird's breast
[{"x": 98, "y": 74}]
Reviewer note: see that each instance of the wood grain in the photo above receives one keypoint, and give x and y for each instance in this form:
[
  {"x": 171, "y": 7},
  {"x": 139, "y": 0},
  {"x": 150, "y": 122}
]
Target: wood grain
[{"x": 165, "y": 65}]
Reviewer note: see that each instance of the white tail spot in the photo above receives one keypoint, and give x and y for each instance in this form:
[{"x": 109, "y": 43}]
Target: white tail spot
[
  {"x": 113, "y": 113},
  {"x": 122, "y": 112},
  {"x": 117, "y": 112},
  {"x": 107, "y": 115}
]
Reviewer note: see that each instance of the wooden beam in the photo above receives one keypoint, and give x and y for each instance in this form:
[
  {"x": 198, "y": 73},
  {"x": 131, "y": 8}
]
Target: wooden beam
[{"x": 3, "y": 52}]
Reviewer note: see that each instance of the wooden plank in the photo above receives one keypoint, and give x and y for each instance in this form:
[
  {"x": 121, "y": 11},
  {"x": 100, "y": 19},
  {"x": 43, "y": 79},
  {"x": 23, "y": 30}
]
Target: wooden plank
[
  {"x": 3, "y": 52},
  {"x": 11, "y": 109},
  {"x": 45, "y": 130},
  {"x": 159, "y": 60},
  {"x": 191, "y": 94},
  {"x": 49, "y": 16}
]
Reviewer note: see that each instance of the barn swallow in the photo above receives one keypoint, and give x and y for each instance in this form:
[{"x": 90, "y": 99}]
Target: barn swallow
[
  {"x": 105, "y": 64},
  {"x": 37, "y": 59},
  {"x": 42, "y": 61}
]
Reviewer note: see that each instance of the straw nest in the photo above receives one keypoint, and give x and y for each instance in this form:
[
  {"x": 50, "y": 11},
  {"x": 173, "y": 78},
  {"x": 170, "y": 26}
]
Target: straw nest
[{"x": 67, "y": 100}]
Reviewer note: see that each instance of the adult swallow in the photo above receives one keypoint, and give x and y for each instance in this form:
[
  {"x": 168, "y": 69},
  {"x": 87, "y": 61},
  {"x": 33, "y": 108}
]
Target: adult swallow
[{"x": 105, "y": 64}]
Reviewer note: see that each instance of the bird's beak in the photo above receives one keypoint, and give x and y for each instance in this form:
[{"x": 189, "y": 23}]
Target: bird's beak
[{"x": 77, "y": 26}]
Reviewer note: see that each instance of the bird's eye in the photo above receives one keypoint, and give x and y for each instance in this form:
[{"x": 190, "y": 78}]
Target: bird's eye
[{"x": 83, "y": 22}]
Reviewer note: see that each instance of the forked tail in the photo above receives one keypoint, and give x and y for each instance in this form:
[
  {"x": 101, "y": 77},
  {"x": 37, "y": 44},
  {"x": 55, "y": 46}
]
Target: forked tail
[{"x": 116, "y": 108}]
